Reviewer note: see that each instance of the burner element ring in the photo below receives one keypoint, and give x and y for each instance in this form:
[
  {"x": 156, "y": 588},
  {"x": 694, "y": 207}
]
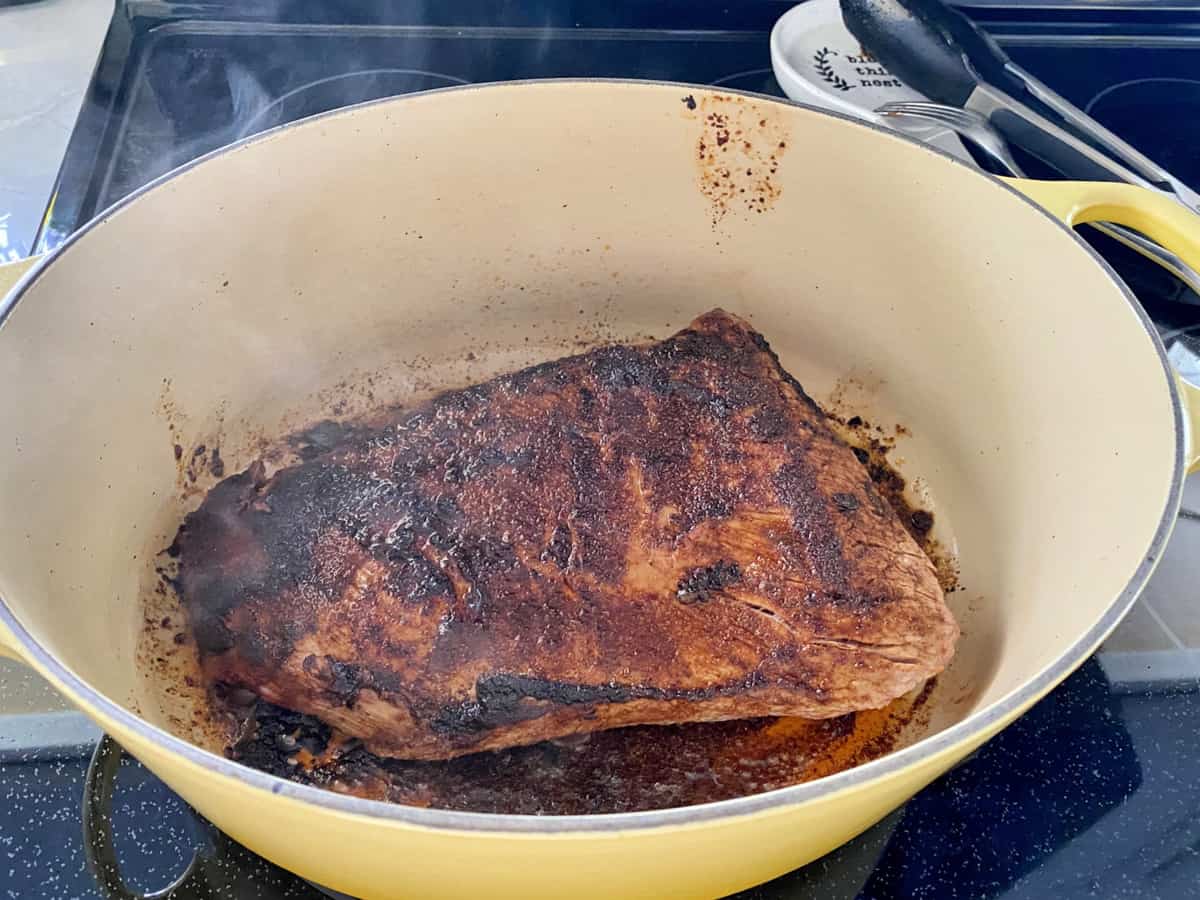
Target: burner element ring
[{"x": 343, "y": 89}]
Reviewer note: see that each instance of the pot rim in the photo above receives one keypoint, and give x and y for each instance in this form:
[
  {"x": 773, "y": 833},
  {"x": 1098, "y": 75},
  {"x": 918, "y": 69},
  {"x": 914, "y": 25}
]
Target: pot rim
[{"x": 612, "y": 823}]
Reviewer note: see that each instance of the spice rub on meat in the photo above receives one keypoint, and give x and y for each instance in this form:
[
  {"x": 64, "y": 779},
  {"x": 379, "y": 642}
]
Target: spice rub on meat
[{"x": 636, "y": 535}]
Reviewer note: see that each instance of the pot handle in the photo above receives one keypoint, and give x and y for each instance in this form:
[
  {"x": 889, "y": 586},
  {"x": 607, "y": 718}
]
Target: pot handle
[
  {"x": 1191, "y": 406},
  {"x": 1157, "y": 216}
]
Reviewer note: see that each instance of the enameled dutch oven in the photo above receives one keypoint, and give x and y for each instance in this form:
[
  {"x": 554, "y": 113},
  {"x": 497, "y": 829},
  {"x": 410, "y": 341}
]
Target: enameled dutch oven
[{"x": 482, "y": 228}]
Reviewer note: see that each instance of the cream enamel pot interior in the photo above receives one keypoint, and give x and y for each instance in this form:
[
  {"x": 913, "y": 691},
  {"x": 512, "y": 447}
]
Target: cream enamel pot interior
[{"x": 501, "y": 222}]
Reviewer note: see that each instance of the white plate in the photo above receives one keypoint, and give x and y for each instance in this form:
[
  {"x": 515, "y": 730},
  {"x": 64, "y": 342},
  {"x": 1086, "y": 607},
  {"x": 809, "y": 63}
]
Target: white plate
[{"x": 819, "y": 62}]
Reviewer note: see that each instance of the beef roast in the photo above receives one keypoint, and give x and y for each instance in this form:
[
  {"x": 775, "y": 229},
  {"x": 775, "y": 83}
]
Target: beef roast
[{"x": 637, "y": 535}]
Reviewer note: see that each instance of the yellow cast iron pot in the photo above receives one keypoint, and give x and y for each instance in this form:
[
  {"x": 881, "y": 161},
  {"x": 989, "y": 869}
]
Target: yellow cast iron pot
[{"x": 446, "y": 236}]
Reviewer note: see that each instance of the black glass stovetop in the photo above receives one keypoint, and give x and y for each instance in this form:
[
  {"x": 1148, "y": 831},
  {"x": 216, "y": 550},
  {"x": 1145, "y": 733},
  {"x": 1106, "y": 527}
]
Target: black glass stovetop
[
  {"x": 176, "y": 81},
  {"x": 1094, "y": 793}
]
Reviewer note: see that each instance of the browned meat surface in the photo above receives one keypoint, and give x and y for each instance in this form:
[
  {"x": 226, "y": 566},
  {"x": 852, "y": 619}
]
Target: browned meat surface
[
  {"x": 637, "y": 535},
  {"x": 620, "y": 770}
]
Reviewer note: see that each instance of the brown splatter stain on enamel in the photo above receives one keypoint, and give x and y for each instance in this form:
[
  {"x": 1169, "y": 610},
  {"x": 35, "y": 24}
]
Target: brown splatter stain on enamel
[
  {"x": 198, "y": 456},
  {"x": 738, "y": 153}
]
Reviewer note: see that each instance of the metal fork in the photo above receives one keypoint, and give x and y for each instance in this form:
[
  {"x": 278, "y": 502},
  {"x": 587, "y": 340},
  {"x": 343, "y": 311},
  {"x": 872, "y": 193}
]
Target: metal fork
[{"x": 975, "y": 128}]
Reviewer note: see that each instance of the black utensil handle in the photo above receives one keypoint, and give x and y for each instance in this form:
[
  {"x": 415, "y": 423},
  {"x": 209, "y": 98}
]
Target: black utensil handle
[
  {"x": 98, "y": 848},
  {"x": 932, "y": 48}
]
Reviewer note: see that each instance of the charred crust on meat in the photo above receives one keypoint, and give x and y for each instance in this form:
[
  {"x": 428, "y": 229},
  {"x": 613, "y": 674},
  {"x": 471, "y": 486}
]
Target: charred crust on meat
[
  {"x": 415, "y": 578},
  {"x": 761, "y": 343},
  {"x": 621, "y": 367},
  {"x": 797, "y": 485},
  {"x": 885, "y": 477},
  {"x": 481, "y": 560},
  {"x": 845, "y": 502},
  {"x": 878, "y": 504},
  {"x": 921, "y": 521},
  {"x": 503, "y": 699},
  {"x": 698, "y": 585},
  {"x": 344, "y": 680},
  {"x": 212, "y": 634},
  {"x": 558, "y": 551},
  {"x": 769, "y": 423},
  {"x": 852, "y": 600}
]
